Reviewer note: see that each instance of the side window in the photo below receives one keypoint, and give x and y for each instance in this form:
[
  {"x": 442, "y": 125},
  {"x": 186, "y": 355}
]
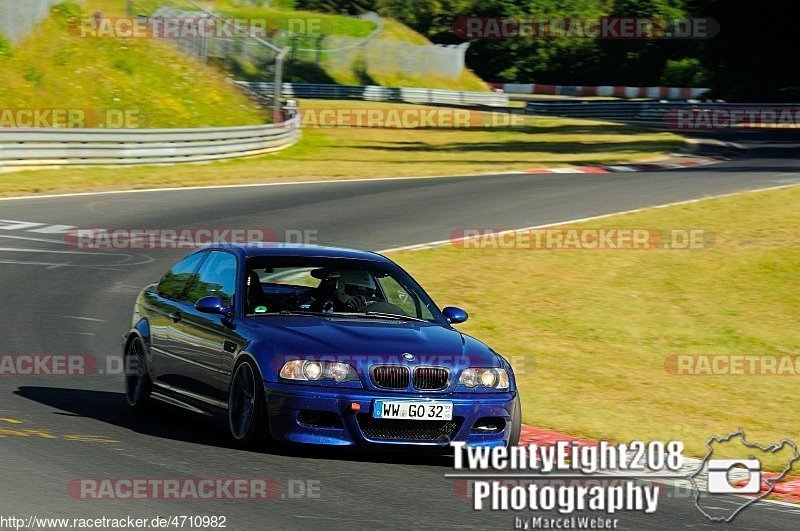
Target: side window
[
  {"x": 173, "y": 284},
  {"x": 217, "y": 276},
  {"x": 396, "y": 294}
]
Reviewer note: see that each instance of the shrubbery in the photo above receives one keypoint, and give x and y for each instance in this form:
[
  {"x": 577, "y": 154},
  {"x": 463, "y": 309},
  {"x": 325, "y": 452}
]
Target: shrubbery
[{"x": 746, "y": 60}]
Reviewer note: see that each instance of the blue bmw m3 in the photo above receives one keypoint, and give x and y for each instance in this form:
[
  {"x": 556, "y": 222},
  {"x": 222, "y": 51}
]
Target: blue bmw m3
[{"x": 316, "y": 345}]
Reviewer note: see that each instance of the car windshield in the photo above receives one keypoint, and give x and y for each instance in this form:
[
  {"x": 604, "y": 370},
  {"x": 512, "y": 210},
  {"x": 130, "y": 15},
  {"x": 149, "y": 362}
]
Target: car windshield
[{"x": 324, "y": 286}]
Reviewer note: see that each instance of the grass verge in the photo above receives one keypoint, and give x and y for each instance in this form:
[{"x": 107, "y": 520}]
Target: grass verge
[
  {"x": 54, "y": 69},
  {"x": 374, "y": 152},
  {"x": 591, "y": 331}
]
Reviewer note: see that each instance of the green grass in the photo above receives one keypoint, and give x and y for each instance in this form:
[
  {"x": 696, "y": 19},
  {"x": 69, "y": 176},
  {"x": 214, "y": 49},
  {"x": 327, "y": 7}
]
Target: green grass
[
  {"x": 397, "y": 31},
  {"x": 466, "y": 81},
  {"x": 377, "y": 152},
  {"x": 288, "y": 19},
  {"x": 53, "y": 69},
  {"x": 283, "y": 16},
  {"x": 277, "y": 15},
  {"x": 589, "y": 331}
]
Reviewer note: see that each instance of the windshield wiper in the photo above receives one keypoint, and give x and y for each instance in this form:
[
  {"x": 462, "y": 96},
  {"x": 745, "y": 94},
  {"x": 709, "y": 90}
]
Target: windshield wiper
[
  {"x": 394, "y": 316},
  {"x": 301, "y": 312},
  {"x": 381, "y": 315}
]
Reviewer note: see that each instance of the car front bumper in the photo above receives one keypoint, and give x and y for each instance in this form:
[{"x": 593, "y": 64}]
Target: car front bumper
[{"x": 348, "y": 425}]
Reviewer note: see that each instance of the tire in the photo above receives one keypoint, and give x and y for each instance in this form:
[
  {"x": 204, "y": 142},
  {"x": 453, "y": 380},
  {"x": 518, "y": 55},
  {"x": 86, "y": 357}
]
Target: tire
[
  {"x": 247, "y": 412},
  {"x": 137, "y": 377},
  {"x": 516, "y": 423}
]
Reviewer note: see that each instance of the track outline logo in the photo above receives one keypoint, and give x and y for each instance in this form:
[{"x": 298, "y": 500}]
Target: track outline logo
[{"x": 773, "y": 448}]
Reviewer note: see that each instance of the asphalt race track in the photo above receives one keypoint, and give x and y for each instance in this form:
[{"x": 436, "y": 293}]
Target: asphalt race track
[{"x": 62, "y": 300}]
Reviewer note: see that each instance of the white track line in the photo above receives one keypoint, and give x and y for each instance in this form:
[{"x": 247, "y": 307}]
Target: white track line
[
  {"x": 258, "y": 185},
  {"x": 555, "y": 170},
  {"x": 49, "y": 251},
  {"x": 438, "y": 243},
  {"x": 27, "y": 238},
  {"x": 92, "y": 319}
]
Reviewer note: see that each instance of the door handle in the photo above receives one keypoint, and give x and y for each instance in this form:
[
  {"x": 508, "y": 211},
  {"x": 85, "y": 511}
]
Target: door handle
[{"x": 175, "y": 316}]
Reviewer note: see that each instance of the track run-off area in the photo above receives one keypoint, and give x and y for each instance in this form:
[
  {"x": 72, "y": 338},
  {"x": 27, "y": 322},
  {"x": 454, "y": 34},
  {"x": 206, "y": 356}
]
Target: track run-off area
[{"x": 59, "y": 299}]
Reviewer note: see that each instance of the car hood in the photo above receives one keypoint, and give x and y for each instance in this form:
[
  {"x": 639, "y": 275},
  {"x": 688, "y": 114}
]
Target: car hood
[{"x": 363, "y": 342}]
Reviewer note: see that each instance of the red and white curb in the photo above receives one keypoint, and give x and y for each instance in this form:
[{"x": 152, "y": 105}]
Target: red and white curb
[
  {"x": 618, "y": 168},
  {"x": 666, "y": 93},
  {"x": 787, "y": 490}
]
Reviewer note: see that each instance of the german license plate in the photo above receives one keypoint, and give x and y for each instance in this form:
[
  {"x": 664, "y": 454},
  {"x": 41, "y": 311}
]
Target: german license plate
[{"x": 385, "y": 409}]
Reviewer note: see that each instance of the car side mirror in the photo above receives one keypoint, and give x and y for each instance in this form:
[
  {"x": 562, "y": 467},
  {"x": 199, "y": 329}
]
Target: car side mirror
[
  {"x": 454, "y": 315},
  {"x": 214, "y": 305}
]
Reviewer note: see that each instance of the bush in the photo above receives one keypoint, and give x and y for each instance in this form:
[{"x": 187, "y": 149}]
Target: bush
[
  {"x": 33, "y": 76},
  {"x": 350, "y": 7},
  {"x": 686, "y": 72}
]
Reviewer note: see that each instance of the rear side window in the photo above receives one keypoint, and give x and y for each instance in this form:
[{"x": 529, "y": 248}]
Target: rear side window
[
  {"x": 217, "y": 276},
  {"x": 174, "y": 283}
]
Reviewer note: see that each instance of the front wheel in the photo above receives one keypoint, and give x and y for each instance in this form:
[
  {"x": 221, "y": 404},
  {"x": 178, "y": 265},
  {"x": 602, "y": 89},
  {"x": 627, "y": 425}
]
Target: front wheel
[
  {"x": 516, "y": 423},
  {"x": 137, "y": 377},
  {"x": 246, "y": 406}
]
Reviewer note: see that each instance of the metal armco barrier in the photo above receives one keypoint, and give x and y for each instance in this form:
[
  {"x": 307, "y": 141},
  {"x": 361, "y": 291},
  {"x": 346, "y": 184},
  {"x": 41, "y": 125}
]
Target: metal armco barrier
[
  {"x": 378, "y": 93},
  {"x": 58, "y": 147},
  {"x": 18, "y": 17},
  {"x": 675, "y": 115},
  {"x": 668, "y": 93}
]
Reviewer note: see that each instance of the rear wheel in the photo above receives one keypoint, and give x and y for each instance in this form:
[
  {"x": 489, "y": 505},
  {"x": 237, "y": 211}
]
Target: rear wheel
[
  {"x": 247, "y": 418},
  {"x": 137, "y": 377},
  {"x": 516, "y": 423}
]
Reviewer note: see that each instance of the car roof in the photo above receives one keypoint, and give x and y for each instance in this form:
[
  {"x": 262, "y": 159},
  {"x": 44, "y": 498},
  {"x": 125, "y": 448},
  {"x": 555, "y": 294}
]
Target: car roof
[{"x": 252, "y": 249}]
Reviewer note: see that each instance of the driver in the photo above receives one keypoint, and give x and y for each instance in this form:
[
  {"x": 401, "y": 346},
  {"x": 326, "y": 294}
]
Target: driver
[{"x": 344, "y": 290}]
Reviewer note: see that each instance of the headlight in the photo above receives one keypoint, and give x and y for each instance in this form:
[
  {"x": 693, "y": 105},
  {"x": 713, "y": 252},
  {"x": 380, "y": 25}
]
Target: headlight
[
  {"x": 491, "y": 378},
  {"x": 311, "y": 371}
]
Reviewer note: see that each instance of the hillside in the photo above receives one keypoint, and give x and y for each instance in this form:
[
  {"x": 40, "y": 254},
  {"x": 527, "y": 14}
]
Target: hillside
[
  {"x": 55, "y": 69},
  {"x": 325, "y": 67}
]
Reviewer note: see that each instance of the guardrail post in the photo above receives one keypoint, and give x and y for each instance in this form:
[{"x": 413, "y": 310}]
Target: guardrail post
[{"x": 276, "y": 104}]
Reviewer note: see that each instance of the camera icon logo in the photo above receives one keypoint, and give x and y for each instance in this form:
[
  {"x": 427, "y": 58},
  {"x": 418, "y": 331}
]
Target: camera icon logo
[{"x": 719, "y": 476}]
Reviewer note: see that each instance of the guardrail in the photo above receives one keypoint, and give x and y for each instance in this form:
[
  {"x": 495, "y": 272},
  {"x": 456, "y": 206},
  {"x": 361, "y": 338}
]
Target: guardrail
[
  {"x": 667, "y": 93},
  {"x": 675, "y": 115},
  {"x": 18, "y": 18},
  {"x": 60, "y": 147},
  {"x": 378, "y": 93}
]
